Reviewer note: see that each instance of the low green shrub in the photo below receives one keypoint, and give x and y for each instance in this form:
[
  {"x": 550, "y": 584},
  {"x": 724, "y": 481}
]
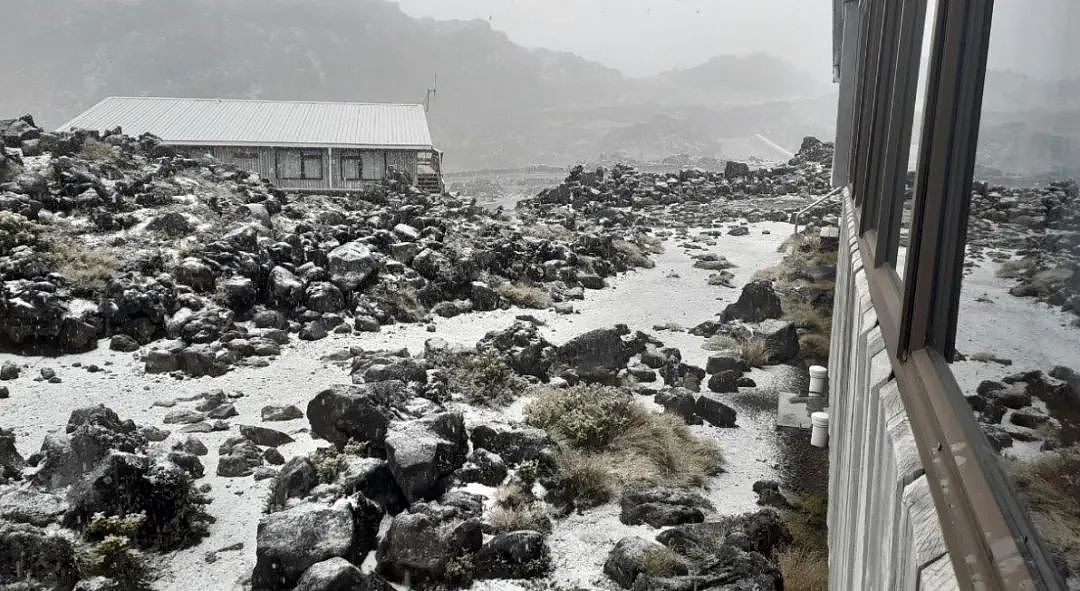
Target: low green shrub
[
  {"x": 484, "y": 378},
  {"x": 586, "y": 416},
  {"x": 110, "y": 552},
  {"x": 330, "y": 461},
  {"x": 460, "y": 570},
  {"x": 16, "y": 230}
]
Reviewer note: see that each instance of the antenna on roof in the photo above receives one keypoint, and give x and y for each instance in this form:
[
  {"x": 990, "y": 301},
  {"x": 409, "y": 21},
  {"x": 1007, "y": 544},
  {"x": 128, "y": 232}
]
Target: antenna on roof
[{"x": 431, "y": 92}]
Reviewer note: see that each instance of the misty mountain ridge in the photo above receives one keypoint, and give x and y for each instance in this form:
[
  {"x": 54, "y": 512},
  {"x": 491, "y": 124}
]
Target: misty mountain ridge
[{"x": 498, "y": 104}]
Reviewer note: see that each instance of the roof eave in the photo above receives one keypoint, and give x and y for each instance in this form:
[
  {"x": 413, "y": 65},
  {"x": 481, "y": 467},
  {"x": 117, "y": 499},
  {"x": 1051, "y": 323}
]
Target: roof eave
[{"x": 299, "y": 145}]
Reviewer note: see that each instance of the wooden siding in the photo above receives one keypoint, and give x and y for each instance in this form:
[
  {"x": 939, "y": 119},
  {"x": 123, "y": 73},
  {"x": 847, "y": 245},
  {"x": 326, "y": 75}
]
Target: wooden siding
[{"x": 268, "y": 162}]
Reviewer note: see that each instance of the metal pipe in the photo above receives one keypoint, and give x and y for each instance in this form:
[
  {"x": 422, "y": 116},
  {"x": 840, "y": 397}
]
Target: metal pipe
[{"x": 799, "y": 213}]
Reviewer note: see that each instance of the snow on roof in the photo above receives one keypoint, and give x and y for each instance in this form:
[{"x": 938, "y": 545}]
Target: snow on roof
[{"x": 233, "y": 122}]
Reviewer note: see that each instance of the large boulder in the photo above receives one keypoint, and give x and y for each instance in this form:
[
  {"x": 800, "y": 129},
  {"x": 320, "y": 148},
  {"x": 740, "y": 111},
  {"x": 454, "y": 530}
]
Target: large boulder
[
  {"x": 421, "y": 541},
  {"x": 238, "y": 456},
  {"x": 634, "y": 556},
  {"x": 513, "y": 555},
  {"x": 125, "y": 483},
  {"x": 11, "y": 463},
  {"x": 91, "y": 433},
  {"x": 291, "y": 541},
  {"x": 757, "y": 302},
  {"x": 662, "y": 506},
  {"x": 285, "y": 289},
  {"x": 424, "y": 453},
  {"x": 597, "y": 355},
  {"x": 513, "y": 444},
  {"x": 781, "y": 340},
  {"x": 353, "y": 260},
  {"x": 525, "y": 350},
  {"x": 335, "y": 574},
  {"x": 295, "y": 480},
  {"x": 361, "y": 412},
  {"x": 709, "y": 407}
]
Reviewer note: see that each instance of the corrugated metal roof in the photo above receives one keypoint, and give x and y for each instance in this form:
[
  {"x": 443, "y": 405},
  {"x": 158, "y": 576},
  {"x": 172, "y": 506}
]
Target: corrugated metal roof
[{"x": 257, "y": 122}]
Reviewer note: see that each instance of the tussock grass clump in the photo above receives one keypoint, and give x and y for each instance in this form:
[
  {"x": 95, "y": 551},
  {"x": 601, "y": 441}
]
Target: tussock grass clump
[
  {"x": 486, "y": 379},
  {"x": 805, "y": 315},
  {"x": 814, "y": 347},
  {"x": 662, "y": 562},
  {"x": 87, "y": 268},
  {"x": 804, "y": 562},
  {"x": 16, "y": 230},
  {"x": 753, "y": 351},
  {"x": 720, "y": 342},
  {"x": 609, "y": 440},
  {"x": 722, "y": 279},
  {"x": 635, "y": 255},
  {"x": 400, "y": 301},
  {"x": 524, "y": 296},
  {"x": 517, "y": 510},
  {"x": 586, "y": 479},
  {"x": 98, "y": 151},
  {"x": 1051, "y": 485},
  {"x": 804, "y": 570}
]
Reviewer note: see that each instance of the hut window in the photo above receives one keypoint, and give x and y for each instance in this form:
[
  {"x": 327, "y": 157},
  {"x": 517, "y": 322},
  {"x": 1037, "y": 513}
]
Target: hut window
[
  {"x": 352, "y": 167},
  {"x": 247, "y": 159},
  {"x": 302, "y": 165}
]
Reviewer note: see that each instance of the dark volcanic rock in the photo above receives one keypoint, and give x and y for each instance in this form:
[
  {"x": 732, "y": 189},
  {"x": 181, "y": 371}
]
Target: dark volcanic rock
[
  {"x": 757, "y": 302},
  {"x": 291, "y": 541},
  {"x": 361, "y": 413},
  {"x": 634, "y": 556},
  {"x": 422, "y": 454},
  {"x": 513, "y": 555},
  {"x": 662, "y": 506}
]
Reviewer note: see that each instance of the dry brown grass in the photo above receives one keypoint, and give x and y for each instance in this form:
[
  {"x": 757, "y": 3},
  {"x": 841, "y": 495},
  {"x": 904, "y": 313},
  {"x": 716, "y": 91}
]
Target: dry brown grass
[
  {"x": 87, "y": 268},
  {"x": 804, "y": 562},
  {"x": 525, "y": 296},
  {"x": 609, "y": 440},
  {"x": 635, "y": 255},
  {"x": 720, "y": 343},
  {"x": 805, "y": 315},
  {"x": 517, "y": 510},
  {"x": 1051, "y": 485},
  {"x": 753, "y": 351},
  {"x": 803, "y": 570},
  {"x": 814, "y": 347},
  {"x": 585, "y": 477}
]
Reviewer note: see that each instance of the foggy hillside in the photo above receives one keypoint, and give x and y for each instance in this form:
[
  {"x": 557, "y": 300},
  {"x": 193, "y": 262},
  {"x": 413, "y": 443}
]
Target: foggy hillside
[{"x": 498, "y": 104}]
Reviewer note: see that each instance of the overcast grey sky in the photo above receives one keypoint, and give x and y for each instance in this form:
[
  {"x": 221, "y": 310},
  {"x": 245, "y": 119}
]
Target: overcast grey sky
[{"x": 645, "y": 37}]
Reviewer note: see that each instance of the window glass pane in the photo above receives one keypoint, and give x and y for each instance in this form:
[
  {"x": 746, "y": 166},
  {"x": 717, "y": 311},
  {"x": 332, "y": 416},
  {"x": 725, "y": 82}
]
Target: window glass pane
[
  {"x": 373, "y": 166},
  {"x": 350, "y": 167},
  {"x": 1019, "y": 324},
  {"x": 290, "y": 162},
  {"x": 313, "y": 166},
  {"x": 916, "y": 135}
]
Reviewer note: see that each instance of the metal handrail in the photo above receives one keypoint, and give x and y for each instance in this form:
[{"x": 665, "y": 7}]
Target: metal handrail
[{"x": 828, "y": 195}]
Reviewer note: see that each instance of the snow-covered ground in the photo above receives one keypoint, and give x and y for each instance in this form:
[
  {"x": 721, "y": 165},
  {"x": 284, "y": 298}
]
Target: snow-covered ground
[{"x": 671, "y": 293}]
